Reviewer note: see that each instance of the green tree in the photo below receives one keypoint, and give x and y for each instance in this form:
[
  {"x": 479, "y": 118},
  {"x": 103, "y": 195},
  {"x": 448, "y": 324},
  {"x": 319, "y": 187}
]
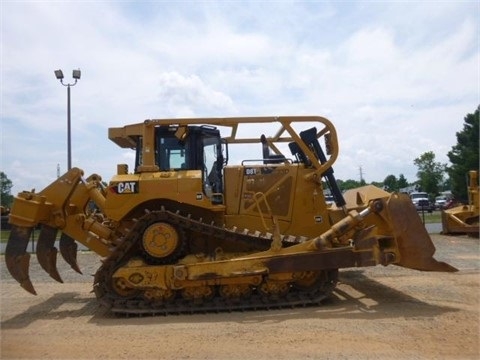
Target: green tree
[
  {"x": 430, "y": 172},
  {"x": 391, "y": 183},
  {"x": 378, "y": 184},
  {"x": 464, "y": 156},
  {"x": 5, "y": 187},
  {"x": 402, "y": 182},
  {"x": 348, "y": 184}
]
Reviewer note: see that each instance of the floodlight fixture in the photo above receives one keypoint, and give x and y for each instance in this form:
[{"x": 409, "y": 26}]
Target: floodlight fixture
[
  {"x": 59, "y": 74},
  {"x": 76, "y": 74}
]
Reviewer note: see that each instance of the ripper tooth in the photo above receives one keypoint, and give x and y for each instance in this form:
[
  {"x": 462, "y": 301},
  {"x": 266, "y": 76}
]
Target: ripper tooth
[
  {"x": 17, "y": 258},
  {"x": 47, "y": 252},
  {"x": 68, "y": 249}
]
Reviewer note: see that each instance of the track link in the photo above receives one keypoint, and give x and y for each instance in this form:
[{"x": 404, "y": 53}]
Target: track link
[{"x": 136, "y": 304}]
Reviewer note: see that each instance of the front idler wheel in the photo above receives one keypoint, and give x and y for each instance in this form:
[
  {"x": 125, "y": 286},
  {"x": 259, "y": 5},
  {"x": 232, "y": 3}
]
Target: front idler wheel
[{"x": 162, "y": 243}]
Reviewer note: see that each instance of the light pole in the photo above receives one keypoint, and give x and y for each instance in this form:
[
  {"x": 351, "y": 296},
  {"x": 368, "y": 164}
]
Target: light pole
[{"x": 76, "y": 76}]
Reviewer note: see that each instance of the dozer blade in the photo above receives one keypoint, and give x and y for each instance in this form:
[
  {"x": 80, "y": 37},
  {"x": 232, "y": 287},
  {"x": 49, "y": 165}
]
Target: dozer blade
[
  {"x": 17, "y": 258},
  {"x": 414, "y": 244},
  {"x": 47, "y": 253},
  {"x": 68, "y": 249}
]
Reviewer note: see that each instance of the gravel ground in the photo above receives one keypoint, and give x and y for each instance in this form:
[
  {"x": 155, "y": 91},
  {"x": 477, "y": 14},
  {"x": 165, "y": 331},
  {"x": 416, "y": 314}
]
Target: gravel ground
[{"x": 374, "y": 313}]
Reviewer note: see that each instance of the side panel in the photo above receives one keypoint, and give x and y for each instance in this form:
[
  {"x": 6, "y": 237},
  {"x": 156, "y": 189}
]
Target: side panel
[
  {"x": 268, "y": 188},
  {"x": 310, "y": 214},
  {"x": 295, "y": 200},
  {"x": 127, "y": 192},
  {"x": 253, "y": 193}
]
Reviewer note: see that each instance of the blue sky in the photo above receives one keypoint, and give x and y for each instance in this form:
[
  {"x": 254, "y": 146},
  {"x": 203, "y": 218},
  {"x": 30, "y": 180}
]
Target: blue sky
[{"x": 396, "y": 78}]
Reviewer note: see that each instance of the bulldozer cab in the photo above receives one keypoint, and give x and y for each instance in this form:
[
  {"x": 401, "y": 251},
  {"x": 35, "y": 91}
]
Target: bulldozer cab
[{"x": 190, "y": 148}]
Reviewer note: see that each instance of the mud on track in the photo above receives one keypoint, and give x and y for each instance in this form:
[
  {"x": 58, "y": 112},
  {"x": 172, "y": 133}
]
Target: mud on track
[{"x": 375, "y": 313}]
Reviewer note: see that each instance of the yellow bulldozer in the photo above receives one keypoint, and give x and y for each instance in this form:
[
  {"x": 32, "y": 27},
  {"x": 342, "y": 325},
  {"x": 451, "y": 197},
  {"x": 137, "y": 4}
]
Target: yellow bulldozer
[
  {"x": 187, "y": 232},
  {"x": 464, "y": 219}
]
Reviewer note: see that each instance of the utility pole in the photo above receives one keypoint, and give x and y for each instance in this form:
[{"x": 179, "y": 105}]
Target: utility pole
[{"x": 362, "y": 181}]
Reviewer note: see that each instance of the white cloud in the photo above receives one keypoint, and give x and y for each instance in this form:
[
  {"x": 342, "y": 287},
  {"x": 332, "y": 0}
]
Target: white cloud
[{"x": 185, "y": 96}]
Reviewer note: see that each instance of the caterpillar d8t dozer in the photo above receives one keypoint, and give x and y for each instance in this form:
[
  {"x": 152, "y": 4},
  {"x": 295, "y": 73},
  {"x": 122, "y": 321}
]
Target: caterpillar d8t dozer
[{"x": 186, "y": 232}]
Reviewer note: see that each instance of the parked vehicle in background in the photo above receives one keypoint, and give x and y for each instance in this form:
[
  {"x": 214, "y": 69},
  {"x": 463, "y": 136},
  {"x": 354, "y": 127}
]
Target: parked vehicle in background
[
  {"x": 421, "y": 201},
  {"x": 451, "y": 203},
  {"x": 440, "y": 202}
]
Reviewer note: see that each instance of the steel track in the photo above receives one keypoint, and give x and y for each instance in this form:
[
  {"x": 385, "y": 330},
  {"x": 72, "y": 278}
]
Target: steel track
[{"x": 138, "y": 305}]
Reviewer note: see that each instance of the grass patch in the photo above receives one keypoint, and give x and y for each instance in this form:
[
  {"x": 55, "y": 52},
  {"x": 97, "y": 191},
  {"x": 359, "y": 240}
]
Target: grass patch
[
  {"x": 4, "y": 234},
  {"x": 432, "y": 218}
]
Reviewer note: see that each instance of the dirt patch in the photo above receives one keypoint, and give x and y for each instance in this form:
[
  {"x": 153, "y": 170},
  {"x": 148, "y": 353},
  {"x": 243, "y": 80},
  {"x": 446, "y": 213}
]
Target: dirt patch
[{"x": 375, "y": 313}]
